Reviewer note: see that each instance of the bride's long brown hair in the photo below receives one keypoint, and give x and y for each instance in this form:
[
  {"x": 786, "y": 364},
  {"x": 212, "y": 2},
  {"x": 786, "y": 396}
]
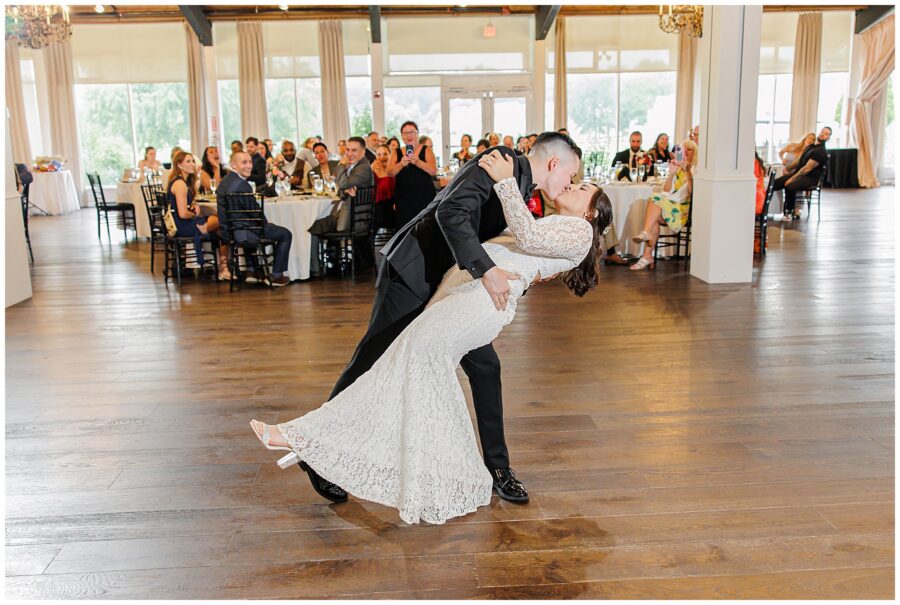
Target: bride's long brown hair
[{"x": 583, "y": 278}]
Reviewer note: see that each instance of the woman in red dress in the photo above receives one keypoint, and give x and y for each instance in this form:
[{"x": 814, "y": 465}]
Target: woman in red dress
[{"x": 385, "y": 213}]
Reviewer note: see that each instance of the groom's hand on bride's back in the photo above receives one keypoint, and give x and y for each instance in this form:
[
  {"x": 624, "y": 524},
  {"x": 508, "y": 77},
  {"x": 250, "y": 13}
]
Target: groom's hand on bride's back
[{"x": 496, "y": 282}]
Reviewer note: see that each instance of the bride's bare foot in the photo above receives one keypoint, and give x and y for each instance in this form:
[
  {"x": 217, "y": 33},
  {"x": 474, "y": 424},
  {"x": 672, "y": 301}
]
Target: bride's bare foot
[{"x": 276, "y": 439}]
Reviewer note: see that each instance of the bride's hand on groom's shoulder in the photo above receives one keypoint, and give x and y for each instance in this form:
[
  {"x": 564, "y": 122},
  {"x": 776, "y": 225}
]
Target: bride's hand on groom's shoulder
[{"x": 497, "y": 165}]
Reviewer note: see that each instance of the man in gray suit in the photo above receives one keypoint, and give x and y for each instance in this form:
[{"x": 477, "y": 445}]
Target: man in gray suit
[
  {"x": 348, "y": 178},
  {"x": 325, "y": 167}
]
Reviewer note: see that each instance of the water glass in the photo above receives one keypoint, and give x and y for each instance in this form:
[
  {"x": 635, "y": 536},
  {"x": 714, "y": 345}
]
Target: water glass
[
  {"x": 641, "y": 170},
  {"x": 318, "y": 186},
  {"x": 633, "y": 174}
]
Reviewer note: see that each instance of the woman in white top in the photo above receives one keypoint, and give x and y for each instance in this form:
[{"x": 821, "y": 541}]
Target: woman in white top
[{"x": 149, "y": 162}]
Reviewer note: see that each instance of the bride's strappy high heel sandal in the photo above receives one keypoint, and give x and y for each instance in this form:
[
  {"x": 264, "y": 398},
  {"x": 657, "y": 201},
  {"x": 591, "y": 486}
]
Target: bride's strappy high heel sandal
[{"x": 284, "y": 462}]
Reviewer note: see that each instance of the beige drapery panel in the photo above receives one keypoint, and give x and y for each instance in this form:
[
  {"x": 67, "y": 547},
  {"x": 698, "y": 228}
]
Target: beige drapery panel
[
  {"x": 684, "y": 87},
  {"x": 335, "y": 116},
  {"x": 560, "y": 118},
  {"x": 196, "y": 93},
  {"x": 15, "y": 104},
  {"x": 807, "y": 67},
  {"x": 252, "y": 80},
  {"x": 877, "y": 49},
  {"x": 61, "y": 102}
]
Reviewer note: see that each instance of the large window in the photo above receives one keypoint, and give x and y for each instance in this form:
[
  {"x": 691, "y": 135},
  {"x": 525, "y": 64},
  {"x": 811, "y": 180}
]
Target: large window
[
  {"x": 422, "y": 105},
  {"x": 457, "y": 44},
  {"x": 229, "y": 112},
  {"x": 621, "y": 73},
  {"x": 123, "y": 103},
  {"x": 773, "y": 114}
]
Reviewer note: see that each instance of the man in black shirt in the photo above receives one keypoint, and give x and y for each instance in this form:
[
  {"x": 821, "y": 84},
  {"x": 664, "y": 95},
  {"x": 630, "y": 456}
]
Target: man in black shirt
[
  {"x": 258, "y": 175},
  {"x": 803, "y": 174}
]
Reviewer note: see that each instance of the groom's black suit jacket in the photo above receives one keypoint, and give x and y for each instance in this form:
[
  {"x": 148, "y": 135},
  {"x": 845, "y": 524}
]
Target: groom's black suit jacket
[{"x": 452, "y": 228}]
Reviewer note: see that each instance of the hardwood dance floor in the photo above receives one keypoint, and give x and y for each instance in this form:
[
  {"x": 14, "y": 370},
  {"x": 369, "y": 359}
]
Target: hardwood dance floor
[{"x": 679, "y": 440}]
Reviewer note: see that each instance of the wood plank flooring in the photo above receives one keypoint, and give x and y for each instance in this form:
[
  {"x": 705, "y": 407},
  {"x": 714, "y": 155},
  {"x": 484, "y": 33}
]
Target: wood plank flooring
[{"x": 679, "y": 440}]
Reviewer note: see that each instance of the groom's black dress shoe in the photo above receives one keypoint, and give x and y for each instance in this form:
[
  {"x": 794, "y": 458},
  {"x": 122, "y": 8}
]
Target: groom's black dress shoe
[
  {"x": 508, "y": 487},
  {"x": 324, "y": 488}
]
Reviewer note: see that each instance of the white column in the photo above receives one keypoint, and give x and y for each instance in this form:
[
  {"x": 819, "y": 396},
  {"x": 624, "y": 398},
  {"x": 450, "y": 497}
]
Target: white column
[
  {"x": 724, "y": 185},
  {"x": 18, "y": 274},
  {"x": 210, "y": 83},
  {"x": 539, "y": 87},
  {"x": 377, "y": 57}
]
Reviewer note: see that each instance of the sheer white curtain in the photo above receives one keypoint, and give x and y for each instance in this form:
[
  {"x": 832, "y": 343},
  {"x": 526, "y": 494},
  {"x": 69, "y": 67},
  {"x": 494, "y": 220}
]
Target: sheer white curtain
[
  {"x": 684, "y": 87},
  {"x": 335, "y": 114},
  {"x": 560, "y": 118},
  {"x": 807, "y": 68},
  {"x": 196, "y": 89},
  {"x": 251, "y": 80},
  {"x": 61, "y": 103},
  {"x": 18, "y": 127},
  {"x": 877, "y": 49}
]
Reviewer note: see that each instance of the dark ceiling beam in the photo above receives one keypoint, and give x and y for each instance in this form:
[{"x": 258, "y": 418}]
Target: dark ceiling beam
[
  {"x": 543, "y": 20},
  {"x": 867, "y": 17},
  {"x": 375, "y": 23},
  {"x": 199, "y": 23}
]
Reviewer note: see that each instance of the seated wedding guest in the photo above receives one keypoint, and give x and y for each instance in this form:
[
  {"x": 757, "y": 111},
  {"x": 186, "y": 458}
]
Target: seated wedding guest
[
  {"x": 382, "y": 140},
  {"x": 414, "y": 167},
  {"x": 426, "y": 140},
  {"x": 211, "y": 170},
  {"x": 325, "y": 168},
  {"x": 349, "y": 178},
  {"x": 270, "y": 146},
  {"x": 629, "y": 157},
  {"x": 531, "y": 139},
  {"x": 803, "y": 174},
  {"x": 669, "y": 208},
  {"x": 149, "y": 162},
  {"x": 176, "y": 149},
  {"x": 493, "y": 138},
  {"x": 464, "y": 155},
  {"x": 660, "y": 150},
  {"x": 385, "y": 214},
  {"x": 393, "y": 144},
  {"x": 236, "y": 146},
  {"x": 255, "y": 151},
  {"x": 237, "y": 181},
  {"x": 482, "y": 145},
  {"x": 695, "y": 134},
  {"x": 181, "y": 190},
  {"x": 522, "y": 146},
  {"x": 342, "y": 152},
  {"x": 759, "y": 171},
  {"x": 294, "y": 168},
  {"x": 508, "y": 142},
  {"x": 371, "y": 146},
  {"x": 790, "y": 153}
]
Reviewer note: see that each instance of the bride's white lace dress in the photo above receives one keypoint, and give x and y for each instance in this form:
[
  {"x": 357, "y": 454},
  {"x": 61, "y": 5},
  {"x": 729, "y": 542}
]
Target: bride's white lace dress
[{"x": 401, "y": 434}]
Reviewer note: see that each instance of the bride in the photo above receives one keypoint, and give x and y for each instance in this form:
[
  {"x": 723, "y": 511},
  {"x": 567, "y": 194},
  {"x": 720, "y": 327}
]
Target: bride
[{"x": 401, "y": 435}]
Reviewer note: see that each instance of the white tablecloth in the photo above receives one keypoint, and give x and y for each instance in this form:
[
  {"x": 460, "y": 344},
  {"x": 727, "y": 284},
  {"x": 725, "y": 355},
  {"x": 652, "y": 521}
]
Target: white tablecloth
[
  {"x": 54, "y": 192},
  {"x": 623, "y": 197},
  {"x": 298, "y": 215},
  {"x": 130, "y": 193}
]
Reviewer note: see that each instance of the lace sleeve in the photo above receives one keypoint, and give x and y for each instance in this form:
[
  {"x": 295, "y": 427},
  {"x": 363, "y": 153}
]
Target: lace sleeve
[{"x": 570, "y": 238}]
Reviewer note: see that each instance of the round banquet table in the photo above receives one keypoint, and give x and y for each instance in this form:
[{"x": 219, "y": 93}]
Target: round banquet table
[
  {"x": 130, "y": 193},
  {"x": 629, "y": 204},
  {"x": 297, "y": 214},
  {"x": 54, "y": 192}
]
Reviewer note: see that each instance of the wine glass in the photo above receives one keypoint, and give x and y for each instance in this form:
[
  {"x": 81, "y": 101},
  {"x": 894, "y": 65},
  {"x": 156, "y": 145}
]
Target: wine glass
[
  {"x": 332, "y": 187},
  {"x": 641, "y": 170},
  {"x": 617, "y": 169},
  {"x": 632, "y": 172},
  {"x": 212, "y": 186}
]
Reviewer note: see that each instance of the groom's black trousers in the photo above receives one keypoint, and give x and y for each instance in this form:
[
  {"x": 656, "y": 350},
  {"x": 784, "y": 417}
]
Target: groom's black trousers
[{"x": 395, "y": 307}]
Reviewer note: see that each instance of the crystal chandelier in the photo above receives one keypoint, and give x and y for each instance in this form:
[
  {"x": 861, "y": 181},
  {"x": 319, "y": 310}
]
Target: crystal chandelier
[
  {"x": 36, "y": 26},
  {"x": 681, "y": 18}
]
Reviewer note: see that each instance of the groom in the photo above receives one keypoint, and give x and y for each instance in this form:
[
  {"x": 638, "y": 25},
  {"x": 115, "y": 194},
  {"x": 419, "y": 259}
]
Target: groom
[{"x": 450, "y": 230}]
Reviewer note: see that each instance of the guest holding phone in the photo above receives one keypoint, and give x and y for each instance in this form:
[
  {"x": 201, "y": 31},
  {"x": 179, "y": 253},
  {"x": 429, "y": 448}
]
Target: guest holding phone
[
  {"x": 671, "y": 207},
  {"x": 414, "y": 167}
]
